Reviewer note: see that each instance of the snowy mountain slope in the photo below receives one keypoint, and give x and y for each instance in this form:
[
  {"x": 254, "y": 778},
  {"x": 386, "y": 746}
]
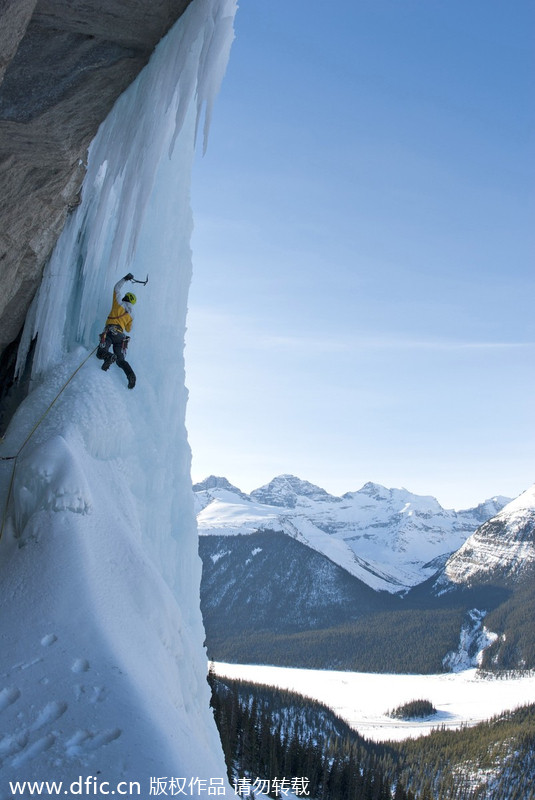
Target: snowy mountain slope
[
  {"x": 203, "y": 496},
  {"x": 81, "y": 603},
  {"x": 290, "y": 606},
  {"x": 503, "y": 547},
  {"x": 102, "y": 669},
  {"x": 270, "y": 581},
  {"x": 389, "y": 538},
  {"x": 500, "y": 558}
]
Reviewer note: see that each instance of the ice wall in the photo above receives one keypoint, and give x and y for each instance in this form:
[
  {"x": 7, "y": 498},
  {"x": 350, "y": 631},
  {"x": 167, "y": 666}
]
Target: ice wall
[
  {"x": 135, "y": 217},
  {"x": 98, "y": 562}
]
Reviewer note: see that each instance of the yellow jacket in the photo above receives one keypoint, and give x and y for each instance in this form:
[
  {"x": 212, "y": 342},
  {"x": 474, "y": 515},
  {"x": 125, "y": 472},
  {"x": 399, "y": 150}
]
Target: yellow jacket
[{"x": 121, "y": 314}]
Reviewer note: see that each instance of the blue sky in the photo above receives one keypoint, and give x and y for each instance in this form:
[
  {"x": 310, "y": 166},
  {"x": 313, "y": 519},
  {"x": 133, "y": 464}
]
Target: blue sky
[{"x": 362, "y": 300}]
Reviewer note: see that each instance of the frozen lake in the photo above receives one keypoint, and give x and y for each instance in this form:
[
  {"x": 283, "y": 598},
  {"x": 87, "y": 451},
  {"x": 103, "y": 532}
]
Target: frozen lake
[{"x": 363, "y": 699}]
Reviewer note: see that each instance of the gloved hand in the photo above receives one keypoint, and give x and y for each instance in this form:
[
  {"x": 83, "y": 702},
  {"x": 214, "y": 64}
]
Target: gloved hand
[{"x": 128, "y": 277}]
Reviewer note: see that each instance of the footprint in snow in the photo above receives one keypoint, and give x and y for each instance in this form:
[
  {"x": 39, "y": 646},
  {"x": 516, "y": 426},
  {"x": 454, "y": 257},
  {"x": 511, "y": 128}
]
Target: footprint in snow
[
  {"x": 49, "y": 639},
  {"x": 34, "y": 749},
  {"x": 11, "y": 744},
  {"x": 79, "y": 691},
  {"x": 8, "y": 696},
  {"x": 80, "y": 665},
  {"x": 50, "y": 713},
  {"x": 98, "y": 694},
  {"x": 84, "y": 741}
]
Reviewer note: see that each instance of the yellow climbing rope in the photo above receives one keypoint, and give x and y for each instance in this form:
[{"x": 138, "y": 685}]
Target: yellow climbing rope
[{"x": 27, "y": 439}]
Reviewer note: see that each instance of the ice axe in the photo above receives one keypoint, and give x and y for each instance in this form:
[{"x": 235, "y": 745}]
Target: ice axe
[{"x": 134, "y": 280}]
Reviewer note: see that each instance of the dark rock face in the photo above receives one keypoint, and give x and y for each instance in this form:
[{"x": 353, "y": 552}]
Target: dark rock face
[{"x": 63, "y": 63}]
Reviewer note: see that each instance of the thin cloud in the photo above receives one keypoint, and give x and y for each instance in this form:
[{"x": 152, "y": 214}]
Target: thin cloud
[
  {"x": 347, "y": 344},
  {"x": 243, "y": 332}
]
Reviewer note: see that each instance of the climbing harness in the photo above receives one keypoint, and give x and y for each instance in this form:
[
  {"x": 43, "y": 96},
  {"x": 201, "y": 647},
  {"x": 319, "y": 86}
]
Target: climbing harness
[
  {"x": 27, "y": 439},
  {"x": 117, "y": 330}
]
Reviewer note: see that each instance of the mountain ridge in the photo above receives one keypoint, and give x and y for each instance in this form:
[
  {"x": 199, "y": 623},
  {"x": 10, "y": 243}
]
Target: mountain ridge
[
  {"x": 501, "y": 547},
  {"x": 392, "y": 539},
  {"x": 373, "y": 585}
]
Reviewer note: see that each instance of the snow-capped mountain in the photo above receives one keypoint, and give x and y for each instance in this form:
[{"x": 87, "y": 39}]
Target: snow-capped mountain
[
  {"x": 204, "y": 491},
  {"x": 376, "y": 580},
  {"x": 390, "y": 539},
  {"x": 288, "y": 491},
  {"x": 501, "y": 548}
]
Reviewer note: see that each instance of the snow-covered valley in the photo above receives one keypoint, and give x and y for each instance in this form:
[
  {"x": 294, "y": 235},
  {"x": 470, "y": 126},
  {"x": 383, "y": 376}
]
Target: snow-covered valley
[{"x": 363, "y": 700}]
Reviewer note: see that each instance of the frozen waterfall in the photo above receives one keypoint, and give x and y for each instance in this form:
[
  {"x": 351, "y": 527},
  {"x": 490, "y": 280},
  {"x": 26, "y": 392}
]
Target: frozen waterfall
[{"x": 102, "y": 664}]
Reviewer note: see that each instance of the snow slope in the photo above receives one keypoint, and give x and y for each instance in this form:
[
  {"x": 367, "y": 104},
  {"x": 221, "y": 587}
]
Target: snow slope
[
  {"x": 102, "y": 668},
  {"x": 503, "y": 547},
  {"x": 389, "y": 538}
]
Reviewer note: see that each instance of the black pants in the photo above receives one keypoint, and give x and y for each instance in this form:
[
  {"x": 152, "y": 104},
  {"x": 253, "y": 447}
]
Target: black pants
[{"x": 115, "y": 338}]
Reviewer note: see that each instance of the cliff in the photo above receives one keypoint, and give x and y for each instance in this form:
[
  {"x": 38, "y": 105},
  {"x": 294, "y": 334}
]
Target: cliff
[
  {"x": 63, "y": 63},
  {"x": 102, "y": 662}
]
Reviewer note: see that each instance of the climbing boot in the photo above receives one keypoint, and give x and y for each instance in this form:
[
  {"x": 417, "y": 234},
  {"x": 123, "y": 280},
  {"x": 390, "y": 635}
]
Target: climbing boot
[
  {"x": 108, "y": 361},
  {"x": 131, "y": 381}
]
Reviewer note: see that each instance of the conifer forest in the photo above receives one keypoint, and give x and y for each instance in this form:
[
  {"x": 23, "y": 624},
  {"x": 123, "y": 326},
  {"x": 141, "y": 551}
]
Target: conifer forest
[{"x": 273, "y": 738}]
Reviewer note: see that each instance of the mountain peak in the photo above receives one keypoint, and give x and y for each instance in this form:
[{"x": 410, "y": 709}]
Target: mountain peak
[
  {"x": 381, "y": 494},
  {"x": 375, "y": 490},
  {"x": 215, "y": 482},
  {"x": 285, "y": 490},
  {"x": 525, "y": 502}
]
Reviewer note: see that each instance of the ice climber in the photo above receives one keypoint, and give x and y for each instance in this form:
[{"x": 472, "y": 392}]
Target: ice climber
[{"x": 118, "y": 325}]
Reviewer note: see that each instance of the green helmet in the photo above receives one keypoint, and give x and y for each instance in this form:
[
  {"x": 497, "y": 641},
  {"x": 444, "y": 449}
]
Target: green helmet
[{"x": 130, "y": 297}]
